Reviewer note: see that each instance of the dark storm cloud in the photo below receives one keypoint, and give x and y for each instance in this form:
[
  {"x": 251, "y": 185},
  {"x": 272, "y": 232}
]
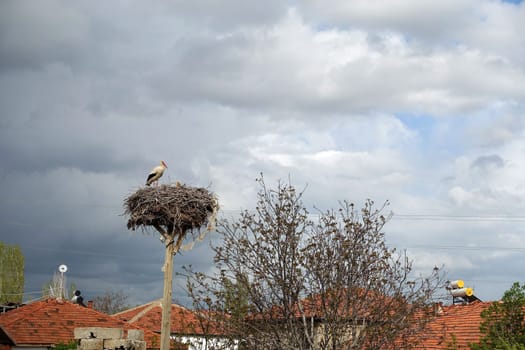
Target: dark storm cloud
[
  {"x": 33, "y": 36},
  {"x": 101, "y": 261},
  {"x": 81, "y": 36},
  {"x": 37, "y": 156}
]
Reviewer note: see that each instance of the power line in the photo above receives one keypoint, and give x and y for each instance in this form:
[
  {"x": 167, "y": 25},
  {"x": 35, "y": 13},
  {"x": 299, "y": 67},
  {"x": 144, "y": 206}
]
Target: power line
[
  {"x": 25, "y": 293},
  {"x": 443, "y": 217},
  {"x": 464, "y": 247},
  {"x": 80, "y": 252},
  {"x": 403, "y": 217},
  {"x": 417, "y": 246},
  {"x": 491, "y": 281}
]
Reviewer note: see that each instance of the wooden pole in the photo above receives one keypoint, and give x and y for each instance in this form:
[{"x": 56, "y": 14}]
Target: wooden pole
[
  {"x": 171, "y": 249},
  {"x": 165, "y": 330}
]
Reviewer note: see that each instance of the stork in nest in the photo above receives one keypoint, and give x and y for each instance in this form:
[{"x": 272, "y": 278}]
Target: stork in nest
[{"x": 156, "y": 173}]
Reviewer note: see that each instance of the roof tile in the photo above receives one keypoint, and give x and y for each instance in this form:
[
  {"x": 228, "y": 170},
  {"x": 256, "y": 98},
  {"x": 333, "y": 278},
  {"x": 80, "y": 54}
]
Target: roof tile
[
  {"x": 53, "y": 321},
  {"x": 183, "y": 320},
  {"x": 457, "y": 323}
]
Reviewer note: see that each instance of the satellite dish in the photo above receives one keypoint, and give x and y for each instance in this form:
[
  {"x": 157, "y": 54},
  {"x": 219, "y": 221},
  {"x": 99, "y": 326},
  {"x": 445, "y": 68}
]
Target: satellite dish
[{"x": 62, "y": 268}]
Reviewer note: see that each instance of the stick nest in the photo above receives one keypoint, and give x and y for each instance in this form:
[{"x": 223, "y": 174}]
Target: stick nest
[{"x": 175, "y": 209}]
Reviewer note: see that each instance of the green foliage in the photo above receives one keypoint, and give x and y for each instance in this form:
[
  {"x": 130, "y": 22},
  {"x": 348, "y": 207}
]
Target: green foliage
[
  {"x": 502, "y": 345},
  {"x": 66, "y": 346},
  {"x": 453, "y": 343},
  {"x": 236, "y": 296},
  {"x": 503, "y": 325},
  {"x": 11, "y": 273},
  {"x": 507, "y": 346}
]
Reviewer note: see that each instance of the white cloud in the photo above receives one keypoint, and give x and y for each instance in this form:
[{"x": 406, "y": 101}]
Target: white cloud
[{"x": 294, "y": 66}]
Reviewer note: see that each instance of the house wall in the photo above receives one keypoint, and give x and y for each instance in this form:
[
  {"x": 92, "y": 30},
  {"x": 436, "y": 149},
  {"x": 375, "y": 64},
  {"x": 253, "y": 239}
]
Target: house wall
[
  {"x": 349, "y": 332},
  {"x": 99, "y": 338}
]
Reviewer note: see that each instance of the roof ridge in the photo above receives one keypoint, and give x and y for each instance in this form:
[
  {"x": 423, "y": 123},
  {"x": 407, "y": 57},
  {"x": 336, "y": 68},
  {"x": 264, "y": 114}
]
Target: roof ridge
[
  {"x": 134, "y": 308},
  {"x": 182, "y": 307},
  {"x": 145, "y": 310}
]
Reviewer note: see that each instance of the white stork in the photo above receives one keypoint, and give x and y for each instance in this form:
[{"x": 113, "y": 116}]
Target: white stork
[{"x": 156, "y": 173}]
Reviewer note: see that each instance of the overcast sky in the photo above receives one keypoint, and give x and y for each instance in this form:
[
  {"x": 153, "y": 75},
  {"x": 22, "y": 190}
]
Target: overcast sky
[{"x": 418, "y": 102}]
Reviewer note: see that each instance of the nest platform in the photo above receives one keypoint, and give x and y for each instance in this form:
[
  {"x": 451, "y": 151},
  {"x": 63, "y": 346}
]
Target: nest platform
[{"x": 173, "y": 208}]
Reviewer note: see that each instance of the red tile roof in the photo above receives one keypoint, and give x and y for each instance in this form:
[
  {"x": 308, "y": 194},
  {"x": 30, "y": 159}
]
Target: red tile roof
[
  {"x": 459, "y": 323},
  {"x": 53, "y": 321},
  {"x": 455, "y": 326},
  {"x": 183, "y": 321}
]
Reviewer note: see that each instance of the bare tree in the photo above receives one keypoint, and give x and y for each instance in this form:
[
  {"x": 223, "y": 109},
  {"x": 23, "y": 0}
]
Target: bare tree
[
  {"x": 328, "y": 284},
  {"x": 111, "y": 302}
]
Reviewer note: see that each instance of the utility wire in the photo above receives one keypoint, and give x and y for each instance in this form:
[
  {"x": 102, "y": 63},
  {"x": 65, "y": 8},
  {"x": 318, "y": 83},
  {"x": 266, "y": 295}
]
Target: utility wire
[
  {"x": 469, "y": 218},
  {"x": 25, "y": 293},
  {"x": 464, "y": 247},
  {"x": 400, "y": 245}
]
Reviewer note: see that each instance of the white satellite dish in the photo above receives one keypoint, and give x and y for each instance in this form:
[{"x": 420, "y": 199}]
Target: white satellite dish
[{"x": 62, "y": 268}]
